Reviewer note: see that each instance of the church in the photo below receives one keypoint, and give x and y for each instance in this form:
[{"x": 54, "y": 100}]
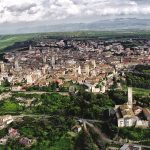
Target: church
[{"x": 128, "y": 114}]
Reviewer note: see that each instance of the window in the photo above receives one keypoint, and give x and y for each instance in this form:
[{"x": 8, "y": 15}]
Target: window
[
  {"x": 121, "y": 123},
  {"x": 127, "y": 123}
]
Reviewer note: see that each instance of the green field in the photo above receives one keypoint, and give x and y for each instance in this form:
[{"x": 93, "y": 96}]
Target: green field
[
  {"x": 139, "y": 91},
  {"x": 8, "y": 40}
]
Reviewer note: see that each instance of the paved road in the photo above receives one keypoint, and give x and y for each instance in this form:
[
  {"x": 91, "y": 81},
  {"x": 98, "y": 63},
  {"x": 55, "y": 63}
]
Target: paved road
[
  {"x": 42, "y": 92},
  {"x": 90, "y": 120},
  {"x": 30, "y": 115}
]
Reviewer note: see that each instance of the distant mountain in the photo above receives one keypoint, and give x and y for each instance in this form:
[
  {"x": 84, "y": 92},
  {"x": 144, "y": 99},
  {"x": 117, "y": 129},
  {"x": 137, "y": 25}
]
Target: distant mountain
[{"x": 101, "y": 25}]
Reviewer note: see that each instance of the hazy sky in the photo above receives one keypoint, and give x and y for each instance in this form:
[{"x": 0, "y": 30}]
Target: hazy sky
[
  {"x": 55, "y": 11},
  {"x": 25, "y": 16}
]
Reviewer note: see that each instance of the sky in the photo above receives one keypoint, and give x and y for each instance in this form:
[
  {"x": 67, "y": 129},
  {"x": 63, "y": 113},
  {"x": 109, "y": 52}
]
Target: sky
[{"x": 67, "y": 11}]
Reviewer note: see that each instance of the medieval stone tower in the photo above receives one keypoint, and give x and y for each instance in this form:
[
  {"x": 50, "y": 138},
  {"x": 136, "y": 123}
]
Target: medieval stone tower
[{"x": 130, "y": 99}]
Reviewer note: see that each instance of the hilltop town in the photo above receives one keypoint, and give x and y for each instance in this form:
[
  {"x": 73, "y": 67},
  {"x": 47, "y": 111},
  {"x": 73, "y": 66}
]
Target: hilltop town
[
  {"x": 89, "y": 62},
  {"x": 74, "y": 75},
  {"x": 82, "y": 81}
]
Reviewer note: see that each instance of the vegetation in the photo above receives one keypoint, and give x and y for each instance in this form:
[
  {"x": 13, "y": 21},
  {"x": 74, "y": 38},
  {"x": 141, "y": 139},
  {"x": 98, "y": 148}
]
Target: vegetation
[
  {"x": 138, "y": 80},
  {"x": 142, "y": 68},
  {"x": 50, "y": 88},
  {"x": 143, "y": 101},
  {"x": 2, "y": 89},
  {"x": 85, "y": 142},
  {"x": 50, "y": 133},
  {"x": 136, "y": 134},
  {"x": 140, "y": 77},
  {"x": 119, "y": 97},
  {"x": 8, "y": 40},
  {"x": 54, "y": 86},
  {"x": 141, "y": 92}
]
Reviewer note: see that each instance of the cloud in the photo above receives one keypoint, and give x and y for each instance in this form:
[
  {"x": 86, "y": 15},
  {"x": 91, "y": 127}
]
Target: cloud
[
  {"x": 35, "y": 10},
  {"x": 15, "y": 8}
]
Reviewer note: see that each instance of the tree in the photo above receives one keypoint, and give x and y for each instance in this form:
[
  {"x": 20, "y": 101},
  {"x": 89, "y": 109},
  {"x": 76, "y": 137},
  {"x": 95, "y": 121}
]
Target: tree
[{"x": 85, "y": 142}]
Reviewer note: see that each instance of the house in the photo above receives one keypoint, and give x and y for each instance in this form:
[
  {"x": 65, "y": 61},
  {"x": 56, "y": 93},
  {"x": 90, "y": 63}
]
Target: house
[
  {"x": 92, "y": 88},
  {"x": 13, "y": 133},
  {"x": 16, "y": 88},
  {"x": 3, "y": 140},
  {"x": 25, "y": 141},
  {"x": 29, "y": 79},
  {"x": 125, "y": 116},
  {"x": 5, "y": 95},
  {"x": 142, "y": 124},
  {"x": 5, "y": 120}
]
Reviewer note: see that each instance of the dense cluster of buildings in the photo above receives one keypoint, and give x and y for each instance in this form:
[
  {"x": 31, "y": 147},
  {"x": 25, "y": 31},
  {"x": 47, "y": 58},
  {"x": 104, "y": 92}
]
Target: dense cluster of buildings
[
  {"x": 90, "y": 62},
  {"x": 93, "y": 63}
]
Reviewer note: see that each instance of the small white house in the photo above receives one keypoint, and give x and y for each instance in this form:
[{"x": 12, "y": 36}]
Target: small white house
[{"x": 3, "y": 140}]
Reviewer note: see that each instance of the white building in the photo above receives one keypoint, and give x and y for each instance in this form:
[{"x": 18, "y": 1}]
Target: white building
[
  {"x": 29, "y": 79},
  {"x": 2, "y": 67},
  {"x": 79, "y": 70},
  {"x": 5, "y": 120},
  {"x": 16, "y": 88},
  {"x": 127, "y": 115}
]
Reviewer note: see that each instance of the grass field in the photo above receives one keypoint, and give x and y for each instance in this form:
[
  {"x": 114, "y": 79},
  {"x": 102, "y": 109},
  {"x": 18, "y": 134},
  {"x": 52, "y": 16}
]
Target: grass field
[
  {"x": 139, "y": 91},
  {"x": 8, "y": 40}
]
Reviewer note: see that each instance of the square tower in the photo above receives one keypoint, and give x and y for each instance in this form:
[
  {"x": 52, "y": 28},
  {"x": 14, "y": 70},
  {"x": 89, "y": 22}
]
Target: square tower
[{"x": 130, "y": 99}]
